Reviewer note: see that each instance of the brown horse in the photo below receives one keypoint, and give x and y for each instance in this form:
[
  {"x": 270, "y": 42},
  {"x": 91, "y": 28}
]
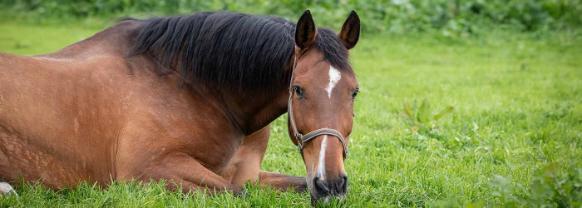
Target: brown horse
[{"x": 185, "y": 99}]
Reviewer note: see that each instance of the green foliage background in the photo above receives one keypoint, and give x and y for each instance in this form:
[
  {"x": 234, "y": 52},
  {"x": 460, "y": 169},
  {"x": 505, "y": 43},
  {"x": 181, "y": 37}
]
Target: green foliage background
[{"x": 449, "y": 16}]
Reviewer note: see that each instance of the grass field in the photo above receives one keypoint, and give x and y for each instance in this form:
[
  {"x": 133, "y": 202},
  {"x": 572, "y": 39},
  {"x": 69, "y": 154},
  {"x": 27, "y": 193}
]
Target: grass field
[{"x": 485, "y": 121}]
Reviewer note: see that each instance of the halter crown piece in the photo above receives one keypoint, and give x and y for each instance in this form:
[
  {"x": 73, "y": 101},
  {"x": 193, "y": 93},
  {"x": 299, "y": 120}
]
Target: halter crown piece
[{"x": 304, "y": 139}]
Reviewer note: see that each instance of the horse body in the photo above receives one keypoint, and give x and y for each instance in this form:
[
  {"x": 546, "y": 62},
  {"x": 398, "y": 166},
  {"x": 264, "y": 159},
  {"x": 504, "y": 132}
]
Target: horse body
[
  {"x": 184, "y": 99},
  {"x": 96, "y": 114},
  {"x": 48, "y": 122}
]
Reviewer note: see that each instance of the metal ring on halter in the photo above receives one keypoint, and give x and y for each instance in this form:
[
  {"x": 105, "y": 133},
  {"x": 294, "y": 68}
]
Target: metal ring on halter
[{"x": 304, "y": 139}]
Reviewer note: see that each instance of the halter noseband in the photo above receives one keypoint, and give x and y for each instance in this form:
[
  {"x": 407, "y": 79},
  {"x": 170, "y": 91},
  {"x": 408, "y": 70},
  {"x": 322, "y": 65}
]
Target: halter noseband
[{"x": 304, "y": 139}]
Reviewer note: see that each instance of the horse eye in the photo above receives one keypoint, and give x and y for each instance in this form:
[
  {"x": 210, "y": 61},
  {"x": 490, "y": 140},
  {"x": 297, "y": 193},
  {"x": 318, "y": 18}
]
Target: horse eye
[{"x": 298, "y": 91}]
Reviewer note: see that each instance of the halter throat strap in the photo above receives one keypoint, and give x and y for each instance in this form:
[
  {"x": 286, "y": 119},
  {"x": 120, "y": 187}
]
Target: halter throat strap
[{"x": 301, "y": 139}]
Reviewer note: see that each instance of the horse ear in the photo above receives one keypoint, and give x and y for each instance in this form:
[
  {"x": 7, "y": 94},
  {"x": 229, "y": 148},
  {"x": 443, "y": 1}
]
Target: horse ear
[
  {"x": 305, "y": 31},
  {"x": 350, "y": 32}
]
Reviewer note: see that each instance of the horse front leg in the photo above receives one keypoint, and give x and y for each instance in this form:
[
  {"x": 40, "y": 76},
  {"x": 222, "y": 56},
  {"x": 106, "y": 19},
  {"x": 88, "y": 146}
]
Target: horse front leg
[
  {"x": 245, "y": 166},
  {"x": 182, "y": 172},
  {"x": 283, "y": 182}
]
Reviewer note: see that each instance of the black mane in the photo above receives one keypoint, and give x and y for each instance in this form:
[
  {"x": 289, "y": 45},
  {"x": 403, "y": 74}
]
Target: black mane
[{"x": 230, "y": 49}]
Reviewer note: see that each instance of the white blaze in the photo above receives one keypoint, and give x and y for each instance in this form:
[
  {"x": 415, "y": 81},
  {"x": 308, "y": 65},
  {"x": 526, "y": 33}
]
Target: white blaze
[
  {"x": 334, "y": 77},
  {"x": 321, "y": 164}
]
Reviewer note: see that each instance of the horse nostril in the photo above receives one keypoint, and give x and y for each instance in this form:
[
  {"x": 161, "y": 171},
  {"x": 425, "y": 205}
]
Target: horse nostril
[
  {"x": 342, "y": 184},
  {"x": 320, "y": 186}
]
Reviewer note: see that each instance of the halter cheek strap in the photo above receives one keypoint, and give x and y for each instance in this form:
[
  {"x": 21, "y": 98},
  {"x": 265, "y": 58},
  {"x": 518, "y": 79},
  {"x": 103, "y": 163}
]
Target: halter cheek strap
[{"x": 304, "y": 139}]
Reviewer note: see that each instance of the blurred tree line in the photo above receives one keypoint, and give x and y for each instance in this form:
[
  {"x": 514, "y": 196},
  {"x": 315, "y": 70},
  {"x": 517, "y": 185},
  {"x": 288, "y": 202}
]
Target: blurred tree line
[{"x": 454, "y": 16}]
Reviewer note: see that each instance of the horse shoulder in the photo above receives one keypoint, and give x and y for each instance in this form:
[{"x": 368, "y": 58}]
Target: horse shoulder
[{"x": 178, "y": 126}]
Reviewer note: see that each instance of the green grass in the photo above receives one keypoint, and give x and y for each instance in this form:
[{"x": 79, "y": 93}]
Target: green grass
[{"x": 510, "y": 131}]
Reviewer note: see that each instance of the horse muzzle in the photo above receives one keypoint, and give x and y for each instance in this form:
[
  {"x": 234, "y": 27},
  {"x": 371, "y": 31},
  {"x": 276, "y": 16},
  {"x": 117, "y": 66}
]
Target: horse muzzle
[{"x": 323, "y": 190}]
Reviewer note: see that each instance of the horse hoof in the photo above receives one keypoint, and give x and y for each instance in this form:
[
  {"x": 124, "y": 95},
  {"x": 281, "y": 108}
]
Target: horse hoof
[{"x": 6, "y": 189}]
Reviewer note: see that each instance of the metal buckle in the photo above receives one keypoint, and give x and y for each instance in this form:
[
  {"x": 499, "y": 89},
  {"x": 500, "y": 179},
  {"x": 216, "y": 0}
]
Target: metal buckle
[{"x": 299, "y": 139}]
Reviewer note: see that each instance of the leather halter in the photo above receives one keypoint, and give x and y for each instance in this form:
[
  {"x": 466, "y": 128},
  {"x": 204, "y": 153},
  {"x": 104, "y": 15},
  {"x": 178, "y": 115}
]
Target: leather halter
[{"x": 304, "y": 139}]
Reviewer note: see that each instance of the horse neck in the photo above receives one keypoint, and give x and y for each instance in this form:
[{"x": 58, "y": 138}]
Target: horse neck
[{"x": 254, "y": 110}]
